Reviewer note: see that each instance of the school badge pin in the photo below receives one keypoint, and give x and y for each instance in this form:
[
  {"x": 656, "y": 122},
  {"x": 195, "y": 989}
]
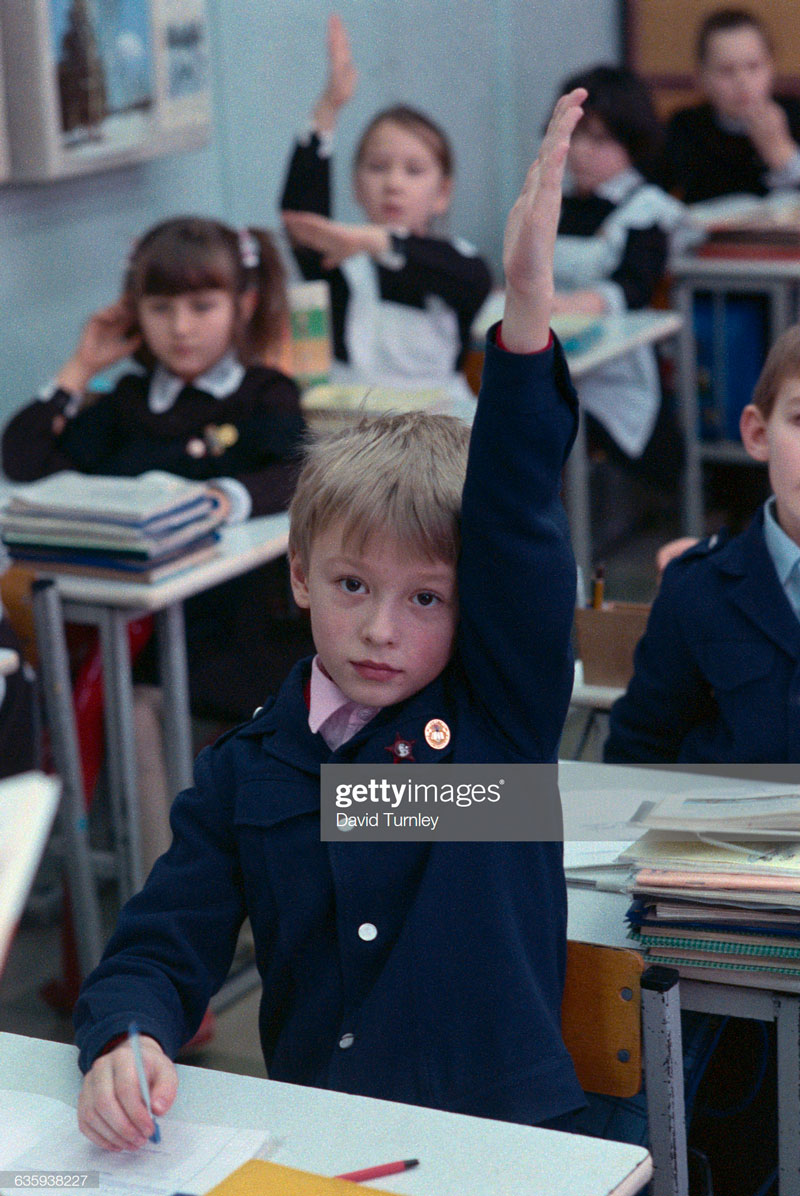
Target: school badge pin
[
  {"x": 218, "y": 439},
  {"x": 401, "y": 750},
  {"x": 437, "y": 734}
]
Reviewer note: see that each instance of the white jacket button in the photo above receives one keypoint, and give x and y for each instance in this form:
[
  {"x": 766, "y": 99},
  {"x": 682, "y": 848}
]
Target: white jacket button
[
  {"x": 367, "y": 932},
  {"x": 346, "y": 1041}
]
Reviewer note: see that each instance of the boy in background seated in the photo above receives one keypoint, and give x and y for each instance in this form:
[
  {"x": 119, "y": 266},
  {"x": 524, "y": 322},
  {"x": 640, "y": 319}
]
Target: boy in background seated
[
  {"x": 429, "y": 973},
  {"x": 716, "y": 673},
  {"x": 742, "y": 139}
]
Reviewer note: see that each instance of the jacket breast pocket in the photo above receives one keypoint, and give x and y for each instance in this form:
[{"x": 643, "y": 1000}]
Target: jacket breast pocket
[{"x": 730, "y": 664}]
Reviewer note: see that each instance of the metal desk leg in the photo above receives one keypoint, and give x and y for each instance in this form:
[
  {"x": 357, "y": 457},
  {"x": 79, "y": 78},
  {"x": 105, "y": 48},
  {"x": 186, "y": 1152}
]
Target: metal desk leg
[
  {"x": 663, "y": 1069},
  {"x": 174, "y": 675},
  {"x": 577, "y": 501},
  {"x": 120, "y": 738},
  {"x": 788, "y": 1034},
  {"x": 54, "y": 667},
  {"x": 693, "y": 522}
]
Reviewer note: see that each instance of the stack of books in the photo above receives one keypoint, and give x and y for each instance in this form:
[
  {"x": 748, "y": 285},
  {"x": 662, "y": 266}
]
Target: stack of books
[
  {"x": 750, "y": 228},
  {"x": 716, "y": 886},
  {"x": 136, "y": 529}
]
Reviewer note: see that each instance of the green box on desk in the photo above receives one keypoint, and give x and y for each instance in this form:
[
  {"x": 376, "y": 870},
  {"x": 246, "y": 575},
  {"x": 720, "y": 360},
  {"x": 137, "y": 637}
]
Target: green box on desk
[{"x": 607, "y": 638}]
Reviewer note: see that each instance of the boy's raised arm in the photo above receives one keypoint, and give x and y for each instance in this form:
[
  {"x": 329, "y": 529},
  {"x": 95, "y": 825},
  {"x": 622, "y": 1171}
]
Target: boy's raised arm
[
  {"x": 530, "y": 235},
  {"x": 516, "y": 570}
]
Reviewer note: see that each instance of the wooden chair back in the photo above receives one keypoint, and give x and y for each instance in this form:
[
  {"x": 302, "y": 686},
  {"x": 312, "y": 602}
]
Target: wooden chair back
[
  {"x": 15, "y": 592},
  {"x": 601, "y": 1018}
]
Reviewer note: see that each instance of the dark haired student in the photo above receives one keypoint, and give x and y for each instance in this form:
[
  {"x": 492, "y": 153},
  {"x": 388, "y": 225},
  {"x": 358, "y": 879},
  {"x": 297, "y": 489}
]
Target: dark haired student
[{"x": 742, "y": 138}]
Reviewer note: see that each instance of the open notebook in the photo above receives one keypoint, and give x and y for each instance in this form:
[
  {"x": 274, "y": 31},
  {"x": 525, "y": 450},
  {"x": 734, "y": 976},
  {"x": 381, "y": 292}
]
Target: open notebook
[{"x": 28, "y": 805}]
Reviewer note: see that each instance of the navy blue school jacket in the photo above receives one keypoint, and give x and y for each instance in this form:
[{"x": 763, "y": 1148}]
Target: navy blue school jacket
[
  {"x": 455, "y": 1003},
  {"x": 717, "y": 673}
]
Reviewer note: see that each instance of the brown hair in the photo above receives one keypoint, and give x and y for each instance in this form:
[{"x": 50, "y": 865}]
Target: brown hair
[
  {"x": 416, "y": 122},
  {"x": 783, "y": 362},
  {"x": 397, "y": 475},
  {"x": 191, "y": 253},
  {"x": 727, "y": 20}
]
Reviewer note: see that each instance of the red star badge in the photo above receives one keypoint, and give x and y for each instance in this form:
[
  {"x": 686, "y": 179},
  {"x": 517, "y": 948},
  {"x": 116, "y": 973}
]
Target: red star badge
[{"x": 401, "y": 750}]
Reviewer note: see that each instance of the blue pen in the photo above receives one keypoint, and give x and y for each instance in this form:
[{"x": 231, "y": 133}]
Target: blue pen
[{"x": 136, "y": 1047}]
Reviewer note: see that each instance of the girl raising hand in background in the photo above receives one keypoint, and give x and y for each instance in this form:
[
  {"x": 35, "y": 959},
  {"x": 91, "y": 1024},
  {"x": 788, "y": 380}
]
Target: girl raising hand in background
[{"x": 403, "y": 300}]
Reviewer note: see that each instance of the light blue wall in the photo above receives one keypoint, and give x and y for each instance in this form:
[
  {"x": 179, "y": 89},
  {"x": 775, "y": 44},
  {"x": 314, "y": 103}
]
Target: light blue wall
[{"x": 486, "y": 69}]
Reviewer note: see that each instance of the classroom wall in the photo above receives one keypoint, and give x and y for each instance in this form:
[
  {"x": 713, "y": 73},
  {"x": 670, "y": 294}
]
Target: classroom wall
[{"x": 486, "y": 69}]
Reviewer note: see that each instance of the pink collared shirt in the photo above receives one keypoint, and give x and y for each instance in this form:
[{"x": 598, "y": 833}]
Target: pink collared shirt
[{"x": 332, "y": 714}]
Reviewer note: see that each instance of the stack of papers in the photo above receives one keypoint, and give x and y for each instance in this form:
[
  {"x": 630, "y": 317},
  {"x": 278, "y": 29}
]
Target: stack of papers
[
  {"x": 139, "y": 529},
  {"x": 711, "y": 900}
]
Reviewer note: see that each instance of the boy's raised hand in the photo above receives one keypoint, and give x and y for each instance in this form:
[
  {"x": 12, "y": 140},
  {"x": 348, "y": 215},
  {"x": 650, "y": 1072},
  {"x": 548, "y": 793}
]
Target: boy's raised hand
[
  {"x": 111, "y": 1112},
  {"x": 530, "y": 235},
  {"x": 342, "y": 77}
]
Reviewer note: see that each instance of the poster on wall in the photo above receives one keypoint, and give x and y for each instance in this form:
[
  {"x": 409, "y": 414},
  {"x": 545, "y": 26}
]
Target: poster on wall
[
  {"x": 185, "y": 61},
  {"x": 97, "y": 83}
]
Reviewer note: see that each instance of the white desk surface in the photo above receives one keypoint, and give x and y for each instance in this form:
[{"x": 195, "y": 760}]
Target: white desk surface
[
  {"x": 756, "y": 268},
  {"x": 240, "y": 549},
  {"x": 9, "y": 661},
  {"x": 620, "y": 333},
  {"x": 330, "y": 1132}
]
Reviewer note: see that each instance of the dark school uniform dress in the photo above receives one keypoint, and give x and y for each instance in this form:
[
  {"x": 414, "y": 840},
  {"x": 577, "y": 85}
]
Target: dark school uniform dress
[
  {"x": 703, "y": 159},
  {"x": 717, "y": 673},
  {"x": 455, "y": 1002},
  {"x": 405, "y": 319},
  {"x": 239, "y": 427}
]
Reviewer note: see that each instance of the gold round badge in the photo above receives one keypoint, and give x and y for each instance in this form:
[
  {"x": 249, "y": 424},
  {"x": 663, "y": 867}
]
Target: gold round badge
[{"x": 437, "y": 734}]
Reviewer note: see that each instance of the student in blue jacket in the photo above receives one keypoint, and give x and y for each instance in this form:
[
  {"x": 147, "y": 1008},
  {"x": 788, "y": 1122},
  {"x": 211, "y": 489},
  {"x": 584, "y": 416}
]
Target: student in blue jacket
[
  {"x": 717, "y": 673},
  {"x": 429, "y": 973}
]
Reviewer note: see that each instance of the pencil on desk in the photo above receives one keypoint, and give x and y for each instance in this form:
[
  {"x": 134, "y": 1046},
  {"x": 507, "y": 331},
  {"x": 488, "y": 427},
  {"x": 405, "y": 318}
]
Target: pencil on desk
[
  {"x": 598, "y": 587},
  {"x": 366, "y": 1173}
]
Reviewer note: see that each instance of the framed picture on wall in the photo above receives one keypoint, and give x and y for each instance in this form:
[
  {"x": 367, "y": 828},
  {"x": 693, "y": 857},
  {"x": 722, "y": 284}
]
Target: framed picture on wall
[
  {"x": 91, "y": 84},
  {"x": 659, "y": 38}
]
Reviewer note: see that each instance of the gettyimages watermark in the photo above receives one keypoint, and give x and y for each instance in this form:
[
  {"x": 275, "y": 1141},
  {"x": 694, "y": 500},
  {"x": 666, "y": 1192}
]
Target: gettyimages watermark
[
  {"x": 441, "y": 802},
  {"x": 522, "y": 803}
]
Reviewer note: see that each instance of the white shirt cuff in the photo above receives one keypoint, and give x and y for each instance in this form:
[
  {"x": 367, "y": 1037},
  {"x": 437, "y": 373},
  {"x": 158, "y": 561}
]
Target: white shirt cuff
[
  {"x": 326, "y": 140},
  {"x": 239, "y": 497},
  {"x": 394, "y": 258},
  {"x": 51, "y": 388},
  {"x": 788, "y": 175}
]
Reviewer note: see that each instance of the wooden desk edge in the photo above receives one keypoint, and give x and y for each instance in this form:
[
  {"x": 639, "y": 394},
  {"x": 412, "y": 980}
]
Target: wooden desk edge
[{"x": 636, "y": 1180}]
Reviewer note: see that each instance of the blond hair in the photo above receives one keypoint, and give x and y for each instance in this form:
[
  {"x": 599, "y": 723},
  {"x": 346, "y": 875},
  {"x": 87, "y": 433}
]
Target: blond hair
[
  {"x": 783, "y": 362},
  {"x": 397, "y": 475}
]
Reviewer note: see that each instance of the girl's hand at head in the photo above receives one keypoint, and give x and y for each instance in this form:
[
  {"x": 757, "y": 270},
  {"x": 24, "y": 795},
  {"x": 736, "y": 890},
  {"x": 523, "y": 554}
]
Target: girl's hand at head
[
  {"x": 342, "y": 77},
  {"x": 111, "y": 1112},
  {"x": 106, "y": 339},
  {"x": 530, "y": 235},
  {"x": 336, "y": 242}
]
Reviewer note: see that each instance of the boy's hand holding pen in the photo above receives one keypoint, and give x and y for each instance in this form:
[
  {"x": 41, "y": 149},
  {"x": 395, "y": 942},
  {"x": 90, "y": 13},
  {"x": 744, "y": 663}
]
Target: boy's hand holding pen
[{"x": 112, "y": 1110}]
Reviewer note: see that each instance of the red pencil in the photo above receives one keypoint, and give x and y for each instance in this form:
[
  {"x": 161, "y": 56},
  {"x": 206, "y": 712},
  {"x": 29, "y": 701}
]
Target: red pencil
[{"x": 358, "y": 1177}]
